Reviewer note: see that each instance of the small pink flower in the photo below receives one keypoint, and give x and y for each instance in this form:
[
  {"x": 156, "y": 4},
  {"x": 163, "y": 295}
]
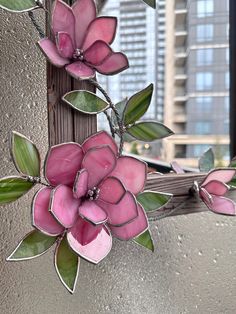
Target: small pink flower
[
  {"x": 83, "y": 41},
  {"x": 213, "y": 189},
  {"x": 91, "y": 195}
]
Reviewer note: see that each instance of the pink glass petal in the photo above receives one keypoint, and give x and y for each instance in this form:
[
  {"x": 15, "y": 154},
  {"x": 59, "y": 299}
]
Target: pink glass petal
[
  {"x": 223, "y": 175},
  {"x": 132, "y": 172},
  {"x": 42, "y": 218},
  {"x": 111, "y": 190},
  {"x": 90, "y": 211},
  {"x": 51, "y": 52},
  {"x": 123, "y": 212},
  {"x": 79, "y": 70},
  {"x": 113, "y": 64},
  {"x": 84, "y": 12},
  {"x": 216, "y": 188},
  {"x": 81, "y": 184},
  {"x": 62, "y": 164},
  {"x": 64, "y": 206},
  {"x": 64, "y": 45},
  {"x": 132, "y": 229},
  {"x": 102, "y": 28},
  {"x": 63, "y": 19},
  {"x": 96, "y": 53},
  {"x": 99, "y": 162},
  {"x": 222, "y": 205},
  {"x": 176, "y": 167},
  {"x": 94, "y": 250},
  {"x": 84, "y": 231},
  {"x": 206, "y": 197},
  {"x": 100, "y": 138}
]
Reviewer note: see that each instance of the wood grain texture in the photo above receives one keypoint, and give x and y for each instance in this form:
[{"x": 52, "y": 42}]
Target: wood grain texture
[
  {"x": 179, "y": 185},
  {"x": 64, "y": 123}
]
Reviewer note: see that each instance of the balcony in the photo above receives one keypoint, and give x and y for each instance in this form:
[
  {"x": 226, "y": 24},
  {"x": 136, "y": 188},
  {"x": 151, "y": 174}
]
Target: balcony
[
  {"x": 180, "y": 4},
  {"x": 180, "y": 76},
  {"x": 180, "y": 13},
  {"x": 180, "y": 36},
  {"x": 180, "y": 56},
  {"x": 179, "y": 117}
]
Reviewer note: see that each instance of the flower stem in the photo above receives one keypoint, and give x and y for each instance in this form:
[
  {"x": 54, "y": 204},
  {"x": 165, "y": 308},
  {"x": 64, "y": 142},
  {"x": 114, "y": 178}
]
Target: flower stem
[
  {"x": 36, "y": 180},
  {"x": 114, "y": 109}
]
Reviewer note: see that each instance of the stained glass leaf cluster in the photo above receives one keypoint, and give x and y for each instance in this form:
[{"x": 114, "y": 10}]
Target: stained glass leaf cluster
[
  {"x": 26, "y": 158},
  {"x": 132, "y": 110}
]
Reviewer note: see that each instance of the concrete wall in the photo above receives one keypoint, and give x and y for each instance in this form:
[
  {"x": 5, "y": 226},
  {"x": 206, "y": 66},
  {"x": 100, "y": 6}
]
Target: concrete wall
[{"x": 192, "y": 271}]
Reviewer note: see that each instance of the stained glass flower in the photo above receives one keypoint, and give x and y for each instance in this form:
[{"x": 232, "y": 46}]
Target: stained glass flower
[
  {"x": 213, "y": 189},
  {"x": 91, "y": 196},
  {"x": 82, "y": 41}
]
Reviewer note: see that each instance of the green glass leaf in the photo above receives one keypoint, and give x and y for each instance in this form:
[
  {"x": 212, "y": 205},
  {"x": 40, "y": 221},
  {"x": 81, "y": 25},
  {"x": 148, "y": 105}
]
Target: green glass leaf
[
  {"x": 149, "y": 131},
  {"x": 207, "y": 161},
  {"x": 128, "y": 138},
  {"x": 120, "y": 106},
  {"x": 85, "y": 102},
  {"x": 67, "y": 265},
  {"x": 152, "y": 201},
  {"x": 151, "y": 3},
  {"x": 18, "y": 5},
  {"x": 25, "y": 155},
  {"x": 145, "y": 240},
  {"x": 12, "y": 188},
  {"x": 33, "y": 245},
  {"x": 232, "y": 183},
  {"x": 137, "y": 105}
]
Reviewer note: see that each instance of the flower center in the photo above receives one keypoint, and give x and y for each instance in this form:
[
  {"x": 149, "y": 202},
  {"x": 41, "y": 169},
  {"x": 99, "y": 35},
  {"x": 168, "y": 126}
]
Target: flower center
[
  {"x": 93, "y": 194},
  {"x": 78, "y": 54}
]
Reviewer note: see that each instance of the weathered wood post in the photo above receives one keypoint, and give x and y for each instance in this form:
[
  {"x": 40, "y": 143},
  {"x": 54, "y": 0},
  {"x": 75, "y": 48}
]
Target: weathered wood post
[{"x": 64, "y": 123}]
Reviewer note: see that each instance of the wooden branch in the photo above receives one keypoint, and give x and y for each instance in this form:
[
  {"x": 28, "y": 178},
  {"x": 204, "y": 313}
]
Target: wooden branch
[
  {"x": 179, "y": 186},
  {"x": 64, "y": 123}
]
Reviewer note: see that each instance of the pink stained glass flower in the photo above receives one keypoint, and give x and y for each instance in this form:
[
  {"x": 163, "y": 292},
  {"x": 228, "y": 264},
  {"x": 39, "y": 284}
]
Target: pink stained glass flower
[
  {"x": 82, "y": 41},
  {"x": 91, "y": 196},
  {"x": 213, "y": 189}
]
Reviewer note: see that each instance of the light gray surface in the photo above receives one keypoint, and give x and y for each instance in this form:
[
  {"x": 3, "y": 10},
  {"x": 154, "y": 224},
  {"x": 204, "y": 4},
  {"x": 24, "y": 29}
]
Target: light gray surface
[{"x": 192, "y": 271}]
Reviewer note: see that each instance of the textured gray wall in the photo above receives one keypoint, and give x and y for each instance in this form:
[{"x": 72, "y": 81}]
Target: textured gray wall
[{"x": 192, "y": 271}]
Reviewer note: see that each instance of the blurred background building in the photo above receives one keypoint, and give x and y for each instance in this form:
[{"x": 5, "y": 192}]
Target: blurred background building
[{"x": 183, "y": 48}]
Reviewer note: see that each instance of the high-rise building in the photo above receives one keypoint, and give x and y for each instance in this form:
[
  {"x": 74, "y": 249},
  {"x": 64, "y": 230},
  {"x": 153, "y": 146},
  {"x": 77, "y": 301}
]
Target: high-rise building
[
  {"x": 145, "y": 48},
  {"x": 197, "y": 79}
]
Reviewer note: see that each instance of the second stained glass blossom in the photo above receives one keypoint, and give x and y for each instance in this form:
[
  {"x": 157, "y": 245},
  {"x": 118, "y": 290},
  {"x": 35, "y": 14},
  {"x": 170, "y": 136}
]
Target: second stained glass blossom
[{"x": 82, "y": 41}]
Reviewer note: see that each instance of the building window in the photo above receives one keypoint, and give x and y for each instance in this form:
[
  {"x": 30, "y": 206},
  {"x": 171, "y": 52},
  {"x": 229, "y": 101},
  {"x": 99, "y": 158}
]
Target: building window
[
  {"x": 205, "y": 8},
  {"x": 205, "y": 32},
  {"x": 202, "y": 127},
  {"x": 204, "y": 57},
  {"x": 227, "y": 80},
  {"x": 227, "y": 55},
  {"x": 227, "y": 105},
  {"x": 227, "y": 31},
  {"x": 226, "y": 126},
  {"x": 204, "y": 104},
  {"x": 204, "y": 81}
]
